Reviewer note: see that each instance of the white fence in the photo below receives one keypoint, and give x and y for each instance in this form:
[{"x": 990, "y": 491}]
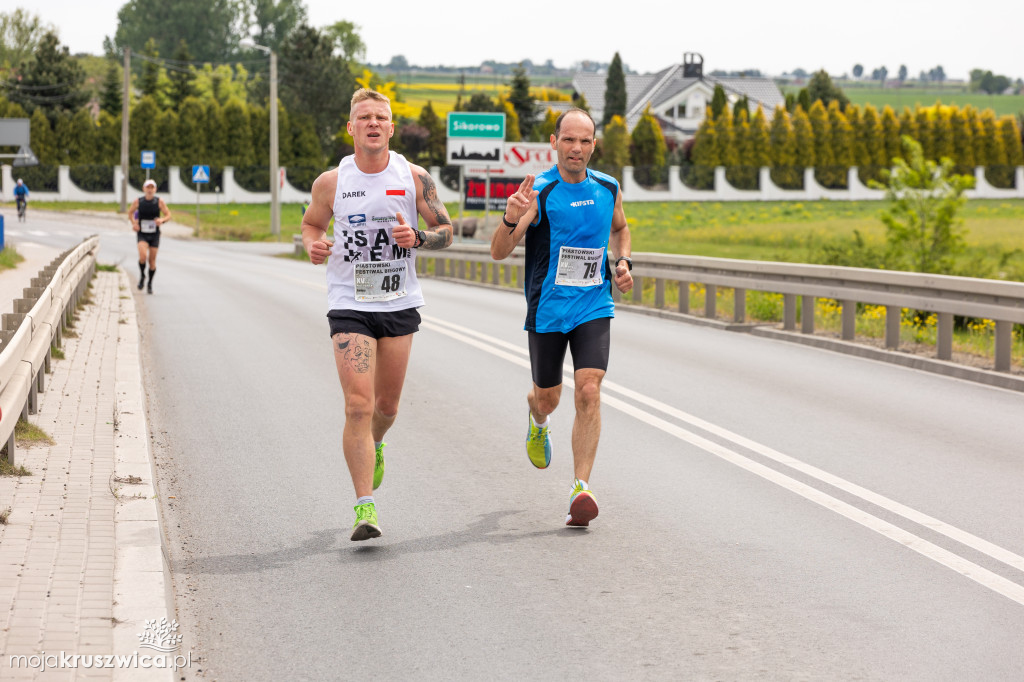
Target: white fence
[{"x": 230, "y": 191}]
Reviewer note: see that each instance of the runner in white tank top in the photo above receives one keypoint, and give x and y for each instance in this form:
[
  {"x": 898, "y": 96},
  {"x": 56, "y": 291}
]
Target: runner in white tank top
[
  {"x": 367, "y": 269},
  {"x": 375, "y": 197}
]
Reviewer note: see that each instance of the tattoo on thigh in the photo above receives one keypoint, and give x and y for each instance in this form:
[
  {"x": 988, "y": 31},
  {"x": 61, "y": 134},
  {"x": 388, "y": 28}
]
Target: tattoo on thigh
[{"x": 357, "y": 355}]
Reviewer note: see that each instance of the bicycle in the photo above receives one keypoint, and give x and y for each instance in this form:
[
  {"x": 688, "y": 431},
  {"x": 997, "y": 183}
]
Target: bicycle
[{"x": 21, "y": 209}]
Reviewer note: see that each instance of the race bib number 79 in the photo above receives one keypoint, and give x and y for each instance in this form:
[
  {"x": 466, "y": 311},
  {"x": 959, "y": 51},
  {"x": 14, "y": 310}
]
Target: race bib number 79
[
  {"x": 380, "y": 281},
  {"x": 579, "y": 267}
]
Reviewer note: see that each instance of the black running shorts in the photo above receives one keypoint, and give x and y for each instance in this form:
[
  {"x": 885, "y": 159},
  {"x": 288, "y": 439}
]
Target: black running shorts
[
  {"x": 374, "y": 324},
  {"x": 588, "y": 342},
  {"x": 151, "y": 238}
]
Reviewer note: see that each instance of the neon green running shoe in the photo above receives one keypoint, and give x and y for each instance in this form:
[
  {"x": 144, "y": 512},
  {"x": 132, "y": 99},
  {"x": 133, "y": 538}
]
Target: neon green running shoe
[
  {"x": 378, "y": 467},
  {"x": 538, "y": 444},
  {"x": 582, "y": 505},
  {"x": 365, "y": 526}
]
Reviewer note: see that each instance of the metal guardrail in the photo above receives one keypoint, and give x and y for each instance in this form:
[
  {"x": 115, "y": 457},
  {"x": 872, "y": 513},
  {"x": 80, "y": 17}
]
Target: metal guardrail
[
  {"x": 28, "y": 334},
  {"x": 1001, "y": 302}
]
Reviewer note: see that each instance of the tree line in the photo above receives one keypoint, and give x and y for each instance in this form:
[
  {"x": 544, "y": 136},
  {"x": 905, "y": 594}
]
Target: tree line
[{"x": 832, "y": 138}]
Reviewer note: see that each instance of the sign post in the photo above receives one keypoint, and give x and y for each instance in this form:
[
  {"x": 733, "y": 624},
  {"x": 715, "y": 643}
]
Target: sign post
[
  {"x": 475, "y": 137},
  {"x": 200, "y": 176},
  {"x": 148, "y": 161}
]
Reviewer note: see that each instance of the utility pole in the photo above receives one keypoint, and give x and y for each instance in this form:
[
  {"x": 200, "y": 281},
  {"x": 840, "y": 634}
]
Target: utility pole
[
  {"x": 124, "y": 128},
  {"x": 275, "y": 166}
]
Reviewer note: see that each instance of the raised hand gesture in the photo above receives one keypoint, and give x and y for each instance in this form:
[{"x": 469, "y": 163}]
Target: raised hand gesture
[{"x": 519, "y": 203}]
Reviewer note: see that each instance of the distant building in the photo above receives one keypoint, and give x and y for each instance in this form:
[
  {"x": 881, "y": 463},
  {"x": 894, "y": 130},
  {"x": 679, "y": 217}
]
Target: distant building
[{"x": 679, "y": 95}]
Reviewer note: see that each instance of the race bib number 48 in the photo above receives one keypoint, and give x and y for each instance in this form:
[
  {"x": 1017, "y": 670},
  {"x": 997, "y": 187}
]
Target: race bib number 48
[
  {"x": 380, "y": 281},
  {"x": 579, "y": 267}
]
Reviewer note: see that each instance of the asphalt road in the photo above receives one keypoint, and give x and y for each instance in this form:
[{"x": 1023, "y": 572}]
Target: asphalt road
[{"x": 768, "y": 511}]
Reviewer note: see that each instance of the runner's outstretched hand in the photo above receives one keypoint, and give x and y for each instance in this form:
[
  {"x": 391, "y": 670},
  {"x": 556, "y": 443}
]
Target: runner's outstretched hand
[{"x": 519, "y": 203}]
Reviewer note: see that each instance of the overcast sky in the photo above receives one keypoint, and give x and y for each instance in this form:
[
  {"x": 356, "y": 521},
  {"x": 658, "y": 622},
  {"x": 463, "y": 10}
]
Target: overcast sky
[{"x": 774, "y": 36}]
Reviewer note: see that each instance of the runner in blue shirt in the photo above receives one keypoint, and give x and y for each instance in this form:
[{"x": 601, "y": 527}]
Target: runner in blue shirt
[{"x": 572, "y": 218}]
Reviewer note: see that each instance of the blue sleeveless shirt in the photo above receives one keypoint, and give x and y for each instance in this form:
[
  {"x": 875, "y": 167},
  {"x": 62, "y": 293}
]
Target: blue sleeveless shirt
[{"x": 577, "y": 216}]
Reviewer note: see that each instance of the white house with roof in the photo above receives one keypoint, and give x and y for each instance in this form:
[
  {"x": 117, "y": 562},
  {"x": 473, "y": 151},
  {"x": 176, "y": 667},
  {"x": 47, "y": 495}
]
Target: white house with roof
[{"x": 679, "y": 95}]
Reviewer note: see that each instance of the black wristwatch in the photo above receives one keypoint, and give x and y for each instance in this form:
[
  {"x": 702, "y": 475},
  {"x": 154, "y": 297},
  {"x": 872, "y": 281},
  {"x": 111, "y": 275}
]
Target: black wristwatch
[
  {"x": 629, "y": 262},
  {"x": 421, "y": 237}
]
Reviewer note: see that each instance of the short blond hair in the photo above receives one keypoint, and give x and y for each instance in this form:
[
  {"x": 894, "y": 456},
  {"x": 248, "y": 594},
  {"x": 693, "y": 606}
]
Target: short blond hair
[{"x": 363, "y": 94}]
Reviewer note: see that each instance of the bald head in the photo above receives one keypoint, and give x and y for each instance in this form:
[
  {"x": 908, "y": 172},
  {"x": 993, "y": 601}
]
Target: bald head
[{"x": 575, "y": 111}]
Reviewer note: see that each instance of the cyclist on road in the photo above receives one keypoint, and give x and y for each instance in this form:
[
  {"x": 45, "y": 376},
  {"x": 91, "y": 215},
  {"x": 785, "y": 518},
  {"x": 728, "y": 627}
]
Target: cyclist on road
[
  {"x": 374, "y": 197},
  {"x": 21, "y": 198},
  {"x": 577, "y": 247},
  {"x": 147, "y": 214}
]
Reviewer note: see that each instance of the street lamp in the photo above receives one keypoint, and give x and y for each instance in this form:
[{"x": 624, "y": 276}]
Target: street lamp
[{"x": 275, "y": 171}]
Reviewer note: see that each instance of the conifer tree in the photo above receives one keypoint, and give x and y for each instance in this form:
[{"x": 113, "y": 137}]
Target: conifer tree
[
  {"x": 142, "y": 123},
  {"x": 615, "y": 147},
  {"x": 759, "y": 144},
  {"x": 743, "y": 175},
  {"x": 963, "y": 142},
  {"x": 64, "y": 137},
  {"x": 236, "y": 134},
  {"x": 908, "y": 124},
  {"x": 825, "y": 163},
  {"x": 83, "y": 136},
  {"x": 169, "y": 154},
  {"x": 614, "y": 91},
  {"x": 891, "y": 135},
  {"x": 44, "y": 143},
  {"x": 719, "y": 102},
  {"x": 181, "y": 76},
  {"x": 943, "y": 133},
  {"x": 110, "y": 96},
  {"x": 783, "y": 151},
  {"x": 857, "y": 148},
  {"x": 925, "y": 132},
  {"x": 705, "y": 155},
  {"x": 648, "y": 150},
  {"x": 842, "y": 143},
  {"x": 437, "y": 143},
  {"x": 803, "y": 139},
  {"x": 150, "y": 82},
  {"x": 192, "y": 132},
  {"x": 873, "y": 161},
  {"x": 1012, "y": 155},
  {"x": 546, "y": 128},
  {"x": 214, "y": 122},
  {"x": 522, "y": 101},
  {"x": 108, "y": 139}
]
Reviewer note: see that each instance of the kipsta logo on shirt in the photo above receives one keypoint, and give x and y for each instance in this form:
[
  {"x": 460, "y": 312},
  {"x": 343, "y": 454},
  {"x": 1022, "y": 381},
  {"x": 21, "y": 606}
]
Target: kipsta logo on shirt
[
  {"x": 585, "y": 202},
  {"x": 351, "y": 195},
  {"x": 358, "y": 219}
]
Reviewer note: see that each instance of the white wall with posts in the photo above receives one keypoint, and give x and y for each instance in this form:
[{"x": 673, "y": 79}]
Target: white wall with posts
[{"x": 181, "y": 192}]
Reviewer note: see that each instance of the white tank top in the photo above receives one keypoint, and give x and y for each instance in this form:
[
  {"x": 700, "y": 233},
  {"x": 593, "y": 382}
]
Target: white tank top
[{"x": 367, "y": 271}]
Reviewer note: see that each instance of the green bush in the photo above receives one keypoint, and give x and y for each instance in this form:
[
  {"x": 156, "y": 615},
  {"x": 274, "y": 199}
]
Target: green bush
[{"x": 93, "y": 178}]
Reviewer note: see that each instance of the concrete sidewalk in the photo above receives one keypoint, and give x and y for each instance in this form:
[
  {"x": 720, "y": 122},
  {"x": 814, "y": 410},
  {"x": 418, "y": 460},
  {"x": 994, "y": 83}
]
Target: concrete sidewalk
[{"x": 82, "y": 567}]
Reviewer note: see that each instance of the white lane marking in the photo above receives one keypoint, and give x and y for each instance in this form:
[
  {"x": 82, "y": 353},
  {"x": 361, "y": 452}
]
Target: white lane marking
[
  {"x": 984, "y": 546},
  {"x": 982, "y": 576}
]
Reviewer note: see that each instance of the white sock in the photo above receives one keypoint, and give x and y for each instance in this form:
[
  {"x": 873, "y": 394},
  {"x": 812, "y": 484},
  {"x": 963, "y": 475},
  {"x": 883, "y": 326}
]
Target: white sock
[
  {"x": 376, "y": 444},
  {"x": 365, "y": 500},
  {"x": 583, "y": 484},
  {"x": 541, "y": 425}
]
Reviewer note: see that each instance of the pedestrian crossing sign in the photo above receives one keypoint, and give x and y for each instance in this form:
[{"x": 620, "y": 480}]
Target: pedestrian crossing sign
[{"x": 200, "y": 173}]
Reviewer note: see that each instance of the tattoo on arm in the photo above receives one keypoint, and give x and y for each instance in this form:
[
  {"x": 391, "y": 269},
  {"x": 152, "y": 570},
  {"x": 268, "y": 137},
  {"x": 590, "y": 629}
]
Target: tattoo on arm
[
  {"x": 440, "y": 236},
  {"x": 357, "y": 356}
]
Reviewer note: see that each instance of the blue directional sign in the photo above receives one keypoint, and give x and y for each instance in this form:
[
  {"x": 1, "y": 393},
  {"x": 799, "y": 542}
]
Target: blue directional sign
[
  {"x": 200, "y": 173},
  {"x": 148, "y": 159}
]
